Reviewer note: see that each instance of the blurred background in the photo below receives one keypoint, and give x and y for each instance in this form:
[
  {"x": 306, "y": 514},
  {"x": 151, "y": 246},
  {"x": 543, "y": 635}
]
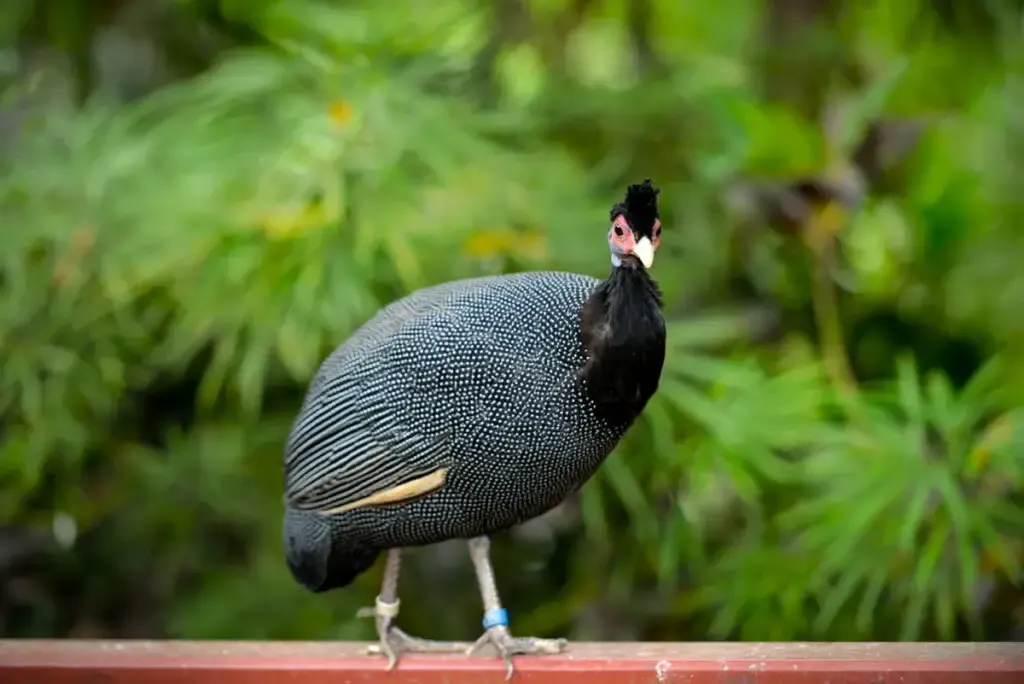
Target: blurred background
[{"x": 199, "y": 199}]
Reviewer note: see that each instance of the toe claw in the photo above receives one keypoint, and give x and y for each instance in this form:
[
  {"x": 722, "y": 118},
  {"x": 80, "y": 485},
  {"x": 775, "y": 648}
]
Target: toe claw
[{"x": 507, "y": 646}]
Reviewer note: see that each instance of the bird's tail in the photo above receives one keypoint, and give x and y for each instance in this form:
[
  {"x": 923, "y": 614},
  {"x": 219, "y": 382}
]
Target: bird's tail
[
  {"x": 320, "y": 556},
  {"x": 348, "y": 563}
]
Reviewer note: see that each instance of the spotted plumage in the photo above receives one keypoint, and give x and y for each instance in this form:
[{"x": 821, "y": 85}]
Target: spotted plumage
[
  {"x": 468, "y": 407},
  {"x": 480, "y": 377}
]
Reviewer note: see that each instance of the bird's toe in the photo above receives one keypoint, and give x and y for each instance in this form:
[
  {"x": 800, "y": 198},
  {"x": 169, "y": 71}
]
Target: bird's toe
[
  {"x": 394, "y": 643},
  {"x": 507, "y": 646}
]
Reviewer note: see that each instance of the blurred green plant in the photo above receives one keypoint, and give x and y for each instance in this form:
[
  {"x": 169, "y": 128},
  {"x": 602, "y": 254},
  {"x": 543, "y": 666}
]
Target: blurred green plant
[{"x": 835, "y": 450}]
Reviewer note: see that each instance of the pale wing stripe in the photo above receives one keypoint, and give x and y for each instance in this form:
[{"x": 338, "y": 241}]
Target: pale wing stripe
[
  {"x": 413, "y": 454},
  {"x": 408, "y": 491},
  {"x": 326, "y": 495},
  {"x": 378, "y": 475},
  {"x": 326, "y": 478}
]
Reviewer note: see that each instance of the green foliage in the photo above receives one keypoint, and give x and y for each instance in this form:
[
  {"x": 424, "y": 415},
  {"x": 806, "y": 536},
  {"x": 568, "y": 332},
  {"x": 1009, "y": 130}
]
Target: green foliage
[{"x": 836, "y": 448}]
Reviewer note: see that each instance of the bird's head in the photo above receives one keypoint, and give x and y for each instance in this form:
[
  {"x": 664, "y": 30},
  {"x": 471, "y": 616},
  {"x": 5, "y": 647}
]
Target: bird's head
[{"x": 636, "y": 231}]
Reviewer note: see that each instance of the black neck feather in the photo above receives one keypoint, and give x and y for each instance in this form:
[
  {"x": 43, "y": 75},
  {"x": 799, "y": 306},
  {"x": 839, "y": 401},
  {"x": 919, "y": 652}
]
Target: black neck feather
[{"x": 623, "y": 331}]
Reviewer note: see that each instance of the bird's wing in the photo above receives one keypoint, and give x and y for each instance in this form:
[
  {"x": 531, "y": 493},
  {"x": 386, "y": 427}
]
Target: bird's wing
[
  {"x": 372, "y": 430},
  {"x": 348, "y": 450},
  {"x": 378, "y": 422}
]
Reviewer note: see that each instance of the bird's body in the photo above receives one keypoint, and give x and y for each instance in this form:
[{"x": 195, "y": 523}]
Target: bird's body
[
  {"x": 466, "y": 408},
  {"x": 480, "y": 378}
]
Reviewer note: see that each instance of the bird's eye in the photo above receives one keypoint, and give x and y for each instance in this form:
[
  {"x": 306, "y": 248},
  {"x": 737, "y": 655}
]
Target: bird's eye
[{"x": 618, "y": 230}]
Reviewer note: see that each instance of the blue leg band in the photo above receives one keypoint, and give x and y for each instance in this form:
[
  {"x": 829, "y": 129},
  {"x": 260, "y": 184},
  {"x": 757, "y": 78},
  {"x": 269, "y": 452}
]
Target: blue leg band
[{"x": 496, "y": 618}]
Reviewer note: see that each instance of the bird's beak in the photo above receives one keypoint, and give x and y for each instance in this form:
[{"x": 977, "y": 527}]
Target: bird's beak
[{"x": 644, "y": 251}]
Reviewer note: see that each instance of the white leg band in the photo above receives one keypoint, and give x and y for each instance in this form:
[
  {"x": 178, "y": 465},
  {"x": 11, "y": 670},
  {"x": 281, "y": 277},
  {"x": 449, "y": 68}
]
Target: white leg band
[{"x": 387, "y": 609}]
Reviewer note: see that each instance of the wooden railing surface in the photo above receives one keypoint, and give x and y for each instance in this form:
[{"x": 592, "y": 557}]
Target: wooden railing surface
[{"x": 178, "y": 662}]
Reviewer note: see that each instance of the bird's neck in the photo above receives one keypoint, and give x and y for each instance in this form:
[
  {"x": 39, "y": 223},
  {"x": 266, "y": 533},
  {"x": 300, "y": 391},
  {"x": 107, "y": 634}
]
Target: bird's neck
[{"x": 623, "y": 331}]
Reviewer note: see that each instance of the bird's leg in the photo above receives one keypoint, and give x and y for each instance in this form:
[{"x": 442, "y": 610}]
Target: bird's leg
[
  {"x": 496, "y": 618},
  {"x": 393, "y": 641}
]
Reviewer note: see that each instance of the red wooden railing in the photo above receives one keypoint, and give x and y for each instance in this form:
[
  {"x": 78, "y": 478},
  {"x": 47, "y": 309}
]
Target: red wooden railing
[{"x": 177, "y": 662}]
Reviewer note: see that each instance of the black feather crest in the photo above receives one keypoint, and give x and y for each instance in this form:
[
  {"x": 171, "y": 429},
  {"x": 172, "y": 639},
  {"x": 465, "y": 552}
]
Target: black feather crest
[{"x": 640, "y": 208}]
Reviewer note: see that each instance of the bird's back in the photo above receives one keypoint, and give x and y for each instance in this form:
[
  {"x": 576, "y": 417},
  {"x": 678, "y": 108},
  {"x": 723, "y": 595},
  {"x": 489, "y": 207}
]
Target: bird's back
[{"x": 474, "y": 379}]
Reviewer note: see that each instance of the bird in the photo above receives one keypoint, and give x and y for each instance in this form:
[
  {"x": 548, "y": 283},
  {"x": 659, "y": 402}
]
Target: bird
[{"x": 464, "y": 409}]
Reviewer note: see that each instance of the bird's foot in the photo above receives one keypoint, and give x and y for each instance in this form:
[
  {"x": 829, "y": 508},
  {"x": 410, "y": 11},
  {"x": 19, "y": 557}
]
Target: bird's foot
[
  {"x": 507, "y": 645},
  {"x": 394, "y": 642}
]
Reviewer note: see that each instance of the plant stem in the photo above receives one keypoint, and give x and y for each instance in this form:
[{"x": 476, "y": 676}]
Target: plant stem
[{"x": 822, "y": 239}]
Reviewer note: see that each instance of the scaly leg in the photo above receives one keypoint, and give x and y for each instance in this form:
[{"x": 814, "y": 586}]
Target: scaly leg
[
  {"x": 496, "y": 619},
  {"x": 393, "y": 641}
]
